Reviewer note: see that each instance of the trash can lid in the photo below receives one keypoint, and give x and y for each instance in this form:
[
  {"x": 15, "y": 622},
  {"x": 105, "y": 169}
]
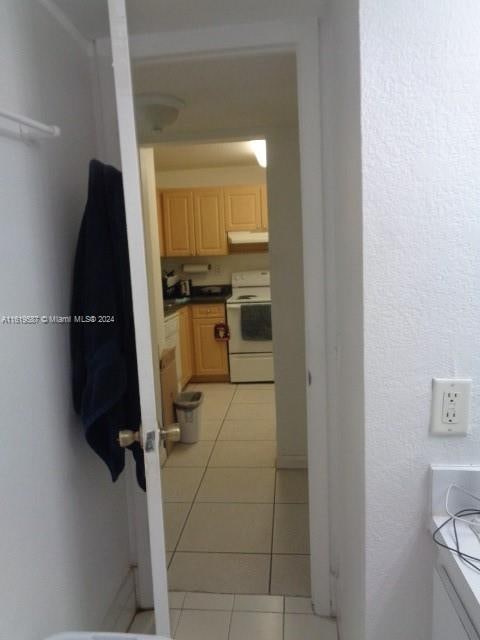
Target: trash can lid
[{"x": 189, "y": 399}]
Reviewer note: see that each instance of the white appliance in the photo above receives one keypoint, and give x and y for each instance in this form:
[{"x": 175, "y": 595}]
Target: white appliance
[
  {"x": 250, "y": 360},
  {"x": 451, "y": 619},
  {"x": 456, "y": 585},
  {"x": 172, "y": 340}
]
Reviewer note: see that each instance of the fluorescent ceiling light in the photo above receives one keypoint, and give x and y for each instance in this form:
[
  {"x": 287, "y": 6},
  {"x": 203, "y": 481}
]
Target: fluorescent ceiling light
[{"x": 259, "y": 148}]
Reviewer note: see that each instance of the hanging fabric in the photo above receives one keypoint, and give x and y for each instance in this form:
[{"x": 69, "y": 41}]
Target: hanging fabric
[{"x": 104, "y": 361}]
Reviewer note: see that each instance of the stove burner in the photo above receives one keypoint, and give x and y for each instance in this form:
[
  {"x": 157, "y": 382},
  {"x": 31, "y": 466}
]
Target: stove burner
[{"x": 246, "y": 297}]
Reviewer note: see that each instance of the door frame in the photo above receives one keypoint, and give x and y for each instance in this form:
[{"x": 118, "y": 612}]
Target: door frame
[{"x": 303, "y": 39}]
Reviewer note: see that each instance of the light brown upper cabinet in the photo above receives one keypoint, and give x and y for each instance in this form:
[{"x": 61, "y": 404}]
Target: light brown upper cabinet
[
  {"x": 243, "y": 208},
  {"x": 178, "y": 226},
  {"x": 264, "y": 207},
  {"x": 209, "y": 222},
  {"x": 194, "y": 222}
]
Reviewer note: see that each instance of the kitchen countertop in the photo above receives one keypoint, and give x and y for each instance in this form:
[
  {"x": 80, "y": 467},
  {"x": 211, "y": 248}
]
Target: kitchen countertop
[{"x": 170, "y": 307}]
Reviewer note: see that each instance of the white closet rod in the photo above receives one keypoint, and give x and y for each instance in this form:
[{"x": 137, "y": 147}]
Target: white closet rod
[{"x": 38, "y": 129}]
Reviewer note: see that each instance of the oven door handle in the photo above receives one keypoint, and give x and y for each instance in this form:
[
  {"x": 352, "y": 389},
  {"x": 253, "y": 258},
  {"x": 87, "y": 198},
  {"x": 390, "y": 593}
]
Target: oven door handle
[{"x": 239, "y": 305}]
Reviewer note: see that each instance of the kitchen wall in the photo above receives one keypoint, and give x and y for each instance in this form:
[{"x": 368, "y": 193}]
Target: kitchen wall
[
  {"x": 421, "y": 195},
  {"x": 285, "y": 259},
  {"x": 63, "y": 547},
  {"x": 340, "y": 84},
  {"x": 222, "y": 267},
  {"x": 211, "y": 177}
]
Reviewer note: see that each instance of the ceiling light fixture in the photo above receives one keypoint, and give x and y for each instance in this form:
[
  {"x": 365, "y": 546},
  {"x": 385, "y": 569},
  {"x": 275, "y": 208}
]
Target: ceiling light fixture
[
  {"x": 259, "y": 148},
  {"x": 157, "y": 110}
]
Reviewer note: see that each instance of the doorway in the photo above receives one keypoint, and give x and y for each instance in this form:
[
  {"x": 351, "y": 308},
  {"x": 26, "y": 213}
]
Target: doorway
[
  {"x": 215, "y": 488},
  {"x": 304, "y": 45}
]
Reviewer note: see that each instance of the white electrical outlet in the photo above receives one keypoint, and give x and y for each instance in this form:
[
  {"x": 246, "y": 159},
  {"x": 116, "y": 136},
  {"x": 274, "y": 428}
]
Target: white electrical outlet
[{"x": 450, "y": 407}]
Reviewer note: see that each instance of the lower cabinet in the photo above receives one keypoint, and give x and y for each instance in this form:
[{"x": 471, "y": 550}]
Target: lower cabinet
[
  {"x": 210, "y": 354},
  {"x": 450, "y": 619}
]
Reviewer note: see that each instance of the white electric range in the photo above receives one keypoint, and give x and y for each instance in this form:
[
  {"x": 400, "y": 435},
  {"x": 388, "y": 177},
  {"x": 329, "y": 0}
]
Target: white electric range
[{"x": 250, "y": 346}]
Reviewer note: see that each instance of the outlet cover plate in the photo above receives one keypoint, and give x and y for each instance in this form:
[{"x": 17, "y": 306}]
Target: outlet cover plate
[{"x": 450, "y": 415}]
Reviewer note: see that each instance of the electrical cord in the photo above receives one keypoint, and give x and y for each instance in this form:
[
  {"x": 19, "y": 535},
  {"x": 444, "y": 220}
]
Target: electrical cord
[{"x": 471, "y": 561}]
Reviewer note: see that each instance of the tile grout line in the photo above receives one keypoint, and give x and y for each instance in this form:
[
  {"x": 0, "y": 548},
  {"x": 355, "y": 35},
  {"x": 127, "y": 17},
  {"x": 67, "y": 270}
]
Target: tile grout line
[
  {"x": 199, "y": 484},
  {"x": 196, "y": 501},
  {"x": 230, "y": 619},
  {"x": 273, "y": 534}
]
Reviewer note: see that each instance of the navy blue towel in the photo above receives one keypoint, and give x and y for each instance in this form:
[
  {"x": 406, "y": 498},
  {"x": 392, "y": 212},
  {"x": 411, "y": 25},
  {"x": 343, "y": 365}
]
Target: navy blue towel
[{"x": 104, "y": 360}]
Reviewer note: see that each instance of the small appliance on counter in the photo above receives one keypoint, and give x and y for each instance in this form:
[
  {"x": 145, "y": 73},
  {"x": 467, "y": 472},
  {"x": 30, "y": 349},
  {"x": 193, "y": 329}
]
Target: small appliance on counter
[{"x": 174, "y": 286}]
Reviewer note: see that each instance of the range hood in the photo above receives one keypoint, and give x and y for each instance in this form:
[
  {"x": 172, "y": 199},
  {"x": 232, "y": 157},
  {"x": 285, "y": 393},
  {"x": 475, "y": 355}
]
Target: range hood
[{"x": 237, "y": 238}]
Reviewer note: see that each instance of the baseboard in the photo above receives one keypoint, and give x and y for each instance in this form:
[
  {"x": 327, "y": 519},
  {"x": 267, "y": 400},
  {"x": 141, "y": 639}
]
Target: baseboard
[
  {"x": 123, "y": 608},
  {"x": 291, "y": 462}
]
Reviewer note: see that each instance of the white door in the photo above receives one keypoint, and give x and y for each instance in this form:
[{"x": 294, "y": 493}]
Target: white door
[{"x": 143, "y": 300}]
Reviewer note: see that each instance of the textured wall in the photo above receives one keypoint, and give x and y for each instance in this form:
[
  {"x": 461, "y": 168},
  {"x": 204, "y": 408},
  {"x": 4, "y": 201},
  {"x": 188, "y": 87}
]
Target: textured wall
[
  {"x": 421, "y": 183},
  {"x": 63, "y": 543}
]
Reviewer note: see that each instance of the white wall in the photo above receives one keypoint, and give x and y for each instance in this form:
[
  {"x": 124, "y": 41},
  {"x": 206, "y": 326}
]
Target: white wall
[
  {"x": 421, "y": 186},
  {"x": 211, "y": 177},
  {"x": 288, "y": 318},
  {"x": 344, "y": 269},
  {"x": 63, "y": 544}
]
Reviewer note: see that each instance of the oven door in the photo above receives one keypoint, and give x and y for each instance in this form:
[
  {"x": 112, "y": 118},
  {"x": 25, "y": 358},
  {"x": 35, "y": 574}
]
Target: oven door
[{"x": 237, "y": 344}]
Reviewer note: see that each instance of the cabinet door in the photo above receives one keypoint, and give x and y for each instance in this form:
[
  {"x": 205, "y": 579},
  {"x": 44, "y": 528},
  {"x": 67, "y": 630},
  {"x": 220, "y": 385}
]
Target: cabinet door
[
  {"x": 161, "y": 232},
  {"x": 209, "y": 221},
  {"x": 186, "y": 344},
  {"x": 177, "y": 213},
  {"x": 211, "y": 357},
  {"x": 243, "y": 208},
  {"x": 447, "y": 622},
  {"x": 264, "y": 207}
]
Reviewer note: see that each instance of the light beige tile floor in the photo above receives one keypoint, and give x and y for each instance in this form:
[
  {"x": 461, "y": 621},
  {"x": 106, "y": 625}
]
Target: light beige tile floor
[
  {"x": 233, "y": 523},
  {"x": 291, "y": 486},
  {"x": 290, "y": 529},
  {"x": 229, "y": 528},
  {"x": 220, "y": 572},
  {"x": 181, "y": 484},
  {"x": 290, "y": 575},
  {"x": 212, "y": 616},
  {"x": 236, "y": 485},
  {"x": 248, "y": 430},
  {"x": 243, "y": 454}
]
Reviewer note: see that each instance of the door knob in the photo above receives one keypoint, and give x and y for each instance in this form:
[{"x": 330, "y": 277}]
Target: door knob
[
  {"x": 126, "y": 437},
  {"x": 171, "y": 433}
]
